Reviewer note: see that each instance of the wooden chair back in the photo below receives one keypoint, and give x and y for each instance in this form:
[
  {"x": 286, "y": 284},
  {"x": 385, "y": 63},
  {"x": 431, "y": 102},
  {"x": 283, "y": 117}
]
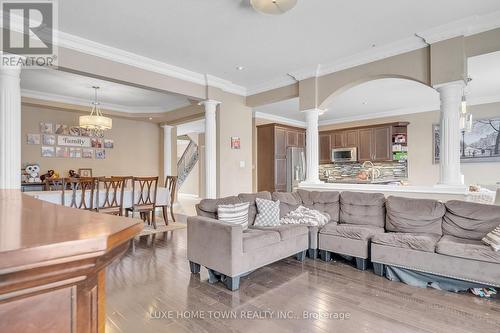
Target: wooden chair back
[
  {"x": 144, "y": 191},
  {"x": 171, "y": 185},
  {"x": 113, "y": 189},
  {"x": 54, "y": 184},
  {"x": 82, "y": 192}
]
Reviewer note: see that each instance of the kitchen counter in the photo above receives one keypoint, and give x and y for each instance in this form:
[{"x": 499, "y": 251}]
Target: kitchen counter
[{"x": 438, "y": 192}]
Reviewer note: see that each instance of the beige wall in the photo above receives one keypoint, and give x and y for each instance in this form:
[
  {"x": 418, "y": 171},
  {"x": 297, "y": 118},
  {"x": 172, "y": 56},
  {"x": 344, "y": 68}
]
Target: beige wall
[
  {"x": 136, "y": 149},
  {"x": 420, "y": 167}
]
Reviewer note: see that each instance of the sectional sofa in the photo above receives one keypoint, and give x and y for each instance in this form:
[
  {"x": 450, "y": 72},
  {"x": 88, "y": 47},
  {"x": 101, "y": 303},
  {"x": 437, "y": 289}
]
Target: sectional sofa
[{"x": 422, "y": 235}]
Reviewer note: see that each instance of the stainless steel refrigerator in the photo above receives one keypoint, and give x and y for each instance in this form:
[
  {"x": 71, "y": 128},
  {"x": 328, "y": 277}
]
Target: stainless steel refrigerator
[{"x": 295, "y": 167}]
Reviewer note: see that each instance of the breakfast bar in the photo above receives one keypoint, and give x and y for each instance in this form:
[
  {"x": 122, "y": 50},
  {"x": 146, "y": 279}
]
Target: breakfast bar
[{"x": 52, "y": 264}]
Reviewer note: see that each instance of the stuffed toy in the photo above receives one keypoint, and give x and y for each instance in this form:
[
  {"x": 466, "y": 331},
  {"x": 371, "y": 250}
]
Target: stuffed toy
[
  {"x": 51, "y": 174},
  {"x": 32, "y": 173}
]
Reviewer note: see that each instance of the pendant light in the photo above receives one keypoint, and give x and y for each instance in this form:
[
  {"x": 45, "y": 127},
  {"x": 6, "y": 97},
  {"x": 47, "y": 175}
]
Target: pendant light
[
  {"x": 465, "y": 117},
  {"x": 273, "y": 7},
  {"x": 96, "y": 120}
]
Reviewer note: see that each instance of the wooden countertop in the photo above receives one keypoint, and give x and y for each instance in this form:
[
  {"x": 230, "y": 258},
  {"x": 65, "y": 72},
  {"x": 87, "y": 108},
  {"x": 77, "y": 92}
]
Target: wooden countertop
[{"x": 34, "y": 233}]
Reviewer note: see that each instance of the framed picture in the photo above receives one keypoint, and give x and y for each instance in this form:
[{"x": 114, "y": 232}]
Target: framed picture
[
  {"x": 62, "y": 152},
  {"x": 48, "y": 151},
  {"x": 435, "y": 143},
  {"x": 75, "y": 152},
  {"x": 33, "y": 139},
  {"x": 46, "y": 128},
  {"x": 62, "y": 129},
  {"x": 235, "y": 142},
  {"x": 87, "y": 153},
  {"x": 74, "y": 131},
  {"x": 109, "y": 143},
  {"x": 481, "y": 144},
  {"x": 96, "y": 143},
  {"x": 87, "y": 172},
  {"x": 100, "y": 154},
  {"x": 49, "y": 139}
]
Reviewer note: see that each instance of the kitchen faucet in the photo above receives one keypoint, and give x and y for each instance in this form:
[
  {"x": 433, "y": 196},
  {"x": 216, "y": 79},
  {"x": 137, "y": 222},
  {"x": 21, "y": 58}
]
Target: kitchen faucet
[{"x": 374, "y": 171}]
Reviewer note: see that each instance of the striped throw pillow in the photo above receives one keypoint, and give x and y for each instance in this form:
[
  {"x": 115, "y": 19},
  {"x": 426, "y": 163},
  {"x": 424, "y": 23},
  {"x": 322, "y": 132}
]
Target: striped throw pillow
[
  {"x": 237, "y": 214},
  {"x": 493, "y": 239}
]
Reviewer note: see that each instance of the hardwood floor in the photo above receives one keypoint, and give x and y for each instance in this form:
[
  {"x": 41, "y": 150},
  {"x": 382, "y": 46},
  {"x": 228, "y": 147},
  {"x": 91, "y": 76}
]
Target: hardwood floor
[{"x": 156, "y": 282}]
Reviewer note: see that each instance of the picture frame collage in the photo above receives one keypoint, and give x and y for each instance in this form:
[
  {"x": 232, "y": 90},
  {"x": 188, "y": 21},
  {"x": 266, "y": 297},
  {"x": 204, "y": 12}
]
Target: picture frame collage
[{"x": 63, "y": 141}]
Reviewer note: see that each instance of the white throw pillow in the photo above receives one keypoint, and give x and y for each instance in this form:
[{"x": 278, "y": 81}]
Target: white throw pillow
[
  {"x": 268, "y": 213},
  {"x": 493, "y": 239},
  {"x": 237, "y": 214}
]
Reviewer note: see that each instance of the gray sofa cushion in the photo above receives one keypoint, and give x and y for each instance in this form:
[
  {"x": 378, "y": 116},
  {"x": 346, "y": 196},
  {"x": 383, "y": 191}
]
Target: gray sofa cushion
[
  {"x": 323, "y": 201},
  {"x": 359, "y": 232},
  {"x": 467, "y": 248},
  {"x": 414, "y": 215},
  {"x": 470, "y": 220},
  {"x": 208, "y": 207},
  {"x": 254, "y": 239},
  {"x": 287, "y": 231},
  {"x": 362, "y": 208},
  {"x": 415, "y": 241},
  {"x": 288, "y": 201},
  {"x": 252, "y": 209}
]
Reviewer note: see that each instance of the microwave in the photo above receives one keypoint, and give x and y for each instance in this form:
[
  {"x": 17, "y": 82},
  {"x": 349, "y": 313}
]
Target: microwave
[{"x": 345, "y": 154}]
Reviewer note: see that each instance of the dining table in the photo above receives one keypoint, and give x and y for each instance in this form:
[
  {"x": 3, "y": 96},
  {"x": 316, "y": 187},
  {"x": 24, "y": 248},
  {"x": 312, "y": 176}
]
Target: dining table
[{"x": 162, "y": 196}]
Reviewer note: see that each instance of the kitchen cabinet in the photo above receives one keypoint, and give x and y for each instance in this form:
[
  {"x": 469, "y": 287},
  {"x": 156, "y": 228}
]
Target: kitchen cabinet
[
  {"x": 325, "y": 148},
  {"x": 338, "y": 139},
  {"x": 374, "y": 143},
  {"x": 272, "y": 143}
]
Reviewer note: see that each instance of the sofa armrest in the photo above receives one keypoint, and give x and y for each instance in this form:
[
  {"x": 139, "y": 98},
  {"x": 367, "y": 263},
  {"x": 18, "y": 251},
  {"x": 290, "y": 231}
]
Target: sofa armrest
[{"x": 214, "y": 244}]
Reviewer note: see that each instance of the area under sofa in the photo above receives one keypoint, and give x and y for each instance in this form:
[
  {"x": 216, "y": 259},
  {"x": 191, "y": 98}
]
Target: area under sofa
[{"x": 414, "y": 234}]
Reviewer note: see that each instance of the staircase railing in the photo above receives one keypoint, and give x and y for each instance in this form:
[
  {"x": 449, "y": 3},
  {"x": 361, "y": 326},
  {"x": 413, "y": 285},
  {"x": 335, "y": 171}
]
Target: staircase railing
[{"x": 187, "y": 162}]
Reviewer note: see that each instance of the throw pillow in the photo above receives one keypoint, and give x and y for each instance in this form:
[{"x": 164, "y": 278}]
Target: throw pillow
[
  {"x": 493, "y": 239},
  {"x": 268, "y": 213},
  {"x": 237, "y": 214}
]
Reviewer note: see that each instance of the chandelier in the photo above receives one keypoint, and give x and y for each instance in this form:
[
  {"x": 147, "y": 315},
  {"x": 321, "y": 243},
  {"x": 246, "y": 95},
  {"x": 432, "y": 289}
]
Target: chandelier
[
  {"x": 273, "y": 7},
  {"x": 96, "y": 120}
]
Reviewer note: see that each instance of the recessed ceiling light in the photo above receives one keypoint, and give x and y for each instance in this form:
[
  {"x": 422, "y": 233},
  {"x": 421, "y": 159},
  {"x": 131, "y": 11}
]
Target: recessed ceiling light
[
  {"x": 240, "y": 68},
  {"x": 364, "y": 103},
  {"x": 150, "y": 118}
]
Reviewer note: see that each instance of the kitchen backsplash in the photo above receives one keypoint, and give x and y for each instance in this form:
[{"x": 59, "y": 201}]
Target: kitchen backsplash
[{"x": 343, "y": 171}]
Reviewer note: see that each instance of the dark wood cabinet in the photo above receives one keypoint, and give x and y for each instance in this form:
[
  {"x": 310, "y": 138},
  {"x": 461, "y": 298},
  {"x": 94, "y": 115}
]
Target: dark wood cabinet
[
  {"x": 272, "y": 143},
  {"x": 374, "y": 143},
  {"x": 325, "y": 148},
  {"x": 365, "y": 144},
  {"x": 338, "y": 139},
  {"x": 382, "y": 144}
]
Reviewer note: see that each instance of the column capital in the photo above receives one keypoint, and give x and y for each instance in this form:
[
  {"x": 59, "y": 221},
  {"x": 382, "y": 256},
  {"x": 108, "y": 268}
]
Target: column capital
[
  {"x": 209, "y": 102},
  {"x": 314, "y": 111},
  {"x": 165, "y": 126},
  {"x": 456, "y": 84}
]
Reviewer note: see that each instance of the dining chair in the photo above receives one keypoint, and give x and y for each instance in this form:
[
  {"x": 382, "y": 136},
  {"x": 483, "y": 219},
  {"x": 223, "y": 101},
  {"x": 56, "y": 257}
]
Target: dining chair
[
  {"x": 82, "y": 192},
  {"x": 171, "y": 185},
  {"x": 53, "y": 184},
  {"x": 144, "y": 198},
  {"x": 112, "y": 195}
]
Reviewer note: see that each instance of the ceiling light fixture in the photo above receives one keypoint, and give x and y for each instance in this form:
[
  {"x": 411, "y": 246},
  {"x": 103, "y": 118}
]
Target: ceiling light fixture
[
  {"x": 240, "y": 68},
  {"x": 273, "y": 7},
  {"x": 96, "y": 120}
]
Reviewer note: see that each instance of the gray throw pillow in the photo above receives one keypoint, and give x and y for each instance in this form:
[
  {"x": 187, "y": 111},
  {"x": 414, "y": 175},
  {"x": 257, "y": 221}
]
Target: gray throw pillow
[
  {"x": 237, "y": 214},
  {"x": 268, "y": 213},
  {"x": 493, "y": 239}
]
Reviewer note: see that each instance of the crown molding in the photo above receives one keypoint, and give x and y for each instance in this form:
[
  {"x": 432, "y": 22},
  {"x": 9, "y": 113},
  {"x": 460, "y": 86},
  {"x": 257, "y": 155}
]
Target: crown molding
[
  {"x": 108, "y": 52},
  {"x": 279, "y": 119},
  {"x": 465, "y": 27},
  {"x": 107, "y": 106}
]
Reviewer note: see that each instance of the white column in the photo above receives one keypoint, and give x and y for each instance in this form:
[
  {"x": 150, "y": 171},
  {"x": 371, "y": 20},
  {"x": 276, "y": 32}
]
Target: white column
[
  {"x": 449, "y": 148},
  {"x": 167, "y": 150},
  {"x": 210, "y": 148},
  {"x": 10, "y": 127},
  {"x": 312, "y": 147}
]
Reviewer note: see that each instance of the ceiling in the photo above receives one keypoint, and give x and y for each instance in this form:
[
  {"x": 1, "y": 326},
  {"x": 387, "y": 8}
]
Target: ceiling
[
  {"x": 386, "y": 97},
  {"x": 216, "y": 36},
  {"x": 71, "y": 88}
]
